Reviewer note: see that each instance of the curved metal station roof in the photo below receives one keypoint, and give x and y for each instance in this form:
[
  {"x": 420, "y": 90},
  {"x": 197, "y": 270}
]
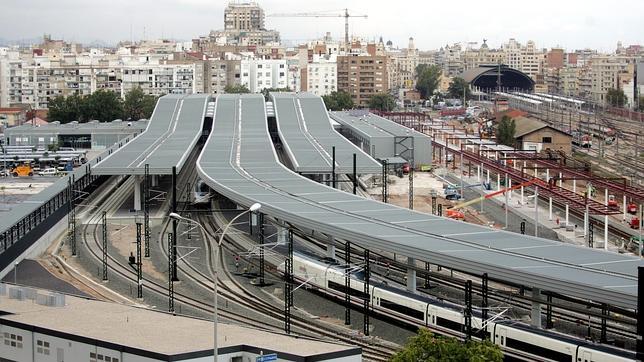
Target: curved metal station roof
[
  {"x": 236, "y": 162},
  {"x": 173, "y": 130},
  {"x": 308, "y": 137},
  {"x": 487, "y": 76}
]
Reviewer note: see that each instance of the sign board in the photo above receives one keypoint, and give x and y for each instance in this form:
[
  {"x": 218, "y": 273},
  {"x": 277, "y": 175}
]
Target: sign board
[{"x": 266, "y": 358}]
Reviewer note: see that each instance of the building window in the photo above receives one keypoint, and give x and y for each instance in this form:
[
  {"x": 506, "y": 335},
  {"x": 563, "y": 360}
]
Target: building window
[
  {"x": 13, "y": 340},
  {"x": 546, "y": 140},
  {"x": 42, "y": 347},
  {"x": 96, "y": 357}
]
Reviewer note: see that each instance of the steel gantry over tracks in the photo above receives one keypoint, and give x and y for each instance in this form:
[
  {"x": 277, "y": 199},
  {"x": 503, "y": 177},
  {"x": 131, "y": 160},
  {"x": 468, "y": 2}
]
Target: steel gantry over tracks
[
  {"x": 173, "y": 131},
  {"x": 237, "y": 163}
]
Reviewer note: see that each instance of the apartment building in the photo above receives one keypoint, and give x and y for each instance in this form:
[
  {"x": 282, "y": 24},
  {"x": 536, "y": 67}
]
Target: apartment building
[
  {"x": 243, "y": 16},
  {"x": 527, "y": 59},
  {"x": 607, "y": 72},
  {"x": 35, "y": 80},
  {"x": 220, "y": 73},
  {"x": 259, "y": 74},
  {"x": 321, "y": 75},
  {"x": 244, "y": 25},
  {"x": 474, "y": 58},
  {"x": 160, "y": 79},
  {"x": 402, "y": 65},
  {"x": 362, "y": 76}
]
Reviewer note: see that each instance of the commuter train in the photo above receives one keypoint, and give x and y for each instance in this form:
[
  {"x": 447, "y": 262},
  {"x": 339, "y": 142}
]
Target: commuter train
[
  {"x": 582, "y": 139},
  {"x": 516, "y": 338},
  {"x": 201, "y": 194},
  {"x": 602, "y": 132}
]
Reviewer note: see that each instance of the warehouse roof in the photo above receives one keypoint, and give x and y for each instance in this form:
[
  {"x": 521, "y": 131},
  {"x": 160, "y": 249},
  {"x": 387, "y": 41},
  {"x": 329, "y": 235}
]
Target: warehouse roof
[
  {"x": 79, "y": 128},
  {"x": 153, "y": 334}
]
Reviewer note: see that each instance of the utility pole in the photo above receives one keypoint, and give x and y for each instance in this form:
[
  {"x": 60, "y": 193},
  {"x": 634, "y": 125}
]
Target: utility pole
[
  {"x": 139, "y": 263},
  {"x": 104, "y": 222},
  {"x": 171, "y": 251}
]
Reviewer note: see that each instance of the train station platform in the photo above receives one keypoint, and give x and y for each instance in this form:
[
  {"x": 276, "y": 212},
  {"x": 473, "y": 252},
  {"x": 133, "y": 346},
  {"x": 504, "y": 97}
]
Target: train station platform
[
  {"x": 172, "y": 132},
  {"x": 238, "y": 166},
  {"x": 308, "y": 137}
]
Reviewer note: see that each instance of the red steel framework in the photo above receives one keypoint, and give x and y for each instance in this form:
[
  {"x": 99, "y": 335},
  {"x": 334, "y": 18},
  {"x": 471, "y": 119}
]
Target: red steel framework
[
  {"x": 414, "y": 120},
  {"x": 558, "y": 194},
  {"x": 635, "y": 193}
]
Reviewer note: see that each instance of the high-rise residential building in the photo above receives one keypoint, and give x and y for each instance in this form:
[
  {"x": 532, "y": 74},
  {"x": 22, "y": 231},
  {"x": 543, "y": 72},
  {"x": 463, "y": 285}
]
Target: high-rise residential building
[
  {"x": 244, "y": 25},
  {"x": 259, "y": 74},
  {"x": 527, "y": 59},
  {"x": 321, "y": 75},
  {"x": 362, "y": 76},
  {"x": 160, "y": 79},
  {"x": 243, "y": 16},
  {"x": 608, "y": 72}
]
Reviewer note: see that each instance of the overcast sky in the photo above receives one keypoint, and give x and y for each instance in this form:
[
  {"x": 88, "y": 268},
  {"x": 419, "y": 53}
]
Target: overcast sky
[{"x": 572, "y": 24}]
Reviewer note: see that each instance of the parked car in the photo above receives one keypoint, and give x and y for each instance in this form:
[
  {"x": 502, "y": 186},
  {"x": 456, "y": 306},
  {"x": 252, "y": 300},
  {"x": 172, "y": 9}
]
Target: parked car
[{"x": 48, "y": 172}]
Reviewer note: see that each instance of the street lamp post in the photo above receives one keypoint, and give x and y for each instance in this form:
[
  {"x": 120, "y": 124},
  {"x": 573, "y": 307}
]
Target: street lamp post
[{"x": 216, "y": 250}]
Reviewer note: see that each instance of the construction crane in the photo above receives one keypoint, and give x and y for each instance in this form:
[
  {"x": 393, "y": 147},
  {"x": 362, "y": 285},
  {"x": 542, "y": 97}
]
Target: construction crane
[
  {"x": 455, "y": 212},
  {"x": 344, "y": 15}
]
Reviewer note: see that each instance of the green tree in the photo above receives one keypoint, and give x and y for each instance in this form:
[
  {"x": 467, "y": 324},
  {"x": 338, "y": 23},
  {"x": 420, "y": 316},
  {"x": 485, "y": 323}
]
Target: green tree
[
  {"x": 457, "y": 87},
  {"x": 426, "y": 347},
  {"x": 505, "y": 131},
  {"x": 382, "y": 102},
  {"x": 266, "y": 91},
  {"x": 65, "y": 110},
  {"x": 138, "y": 105},
  {"x": 236, "y": 88},
  {"x": 616, "y": 97},
  {"x": 427, "y": 78},
  {"x": 640, "y": 104},
  {"x": 338, "y": 101},
  {"x": 103, "y": 105}
]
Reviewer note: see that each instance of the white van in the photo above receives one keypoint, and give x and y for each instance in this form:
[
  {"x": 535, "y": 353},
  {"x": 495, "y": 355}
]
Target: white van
[{"x": 48, "y": 172}]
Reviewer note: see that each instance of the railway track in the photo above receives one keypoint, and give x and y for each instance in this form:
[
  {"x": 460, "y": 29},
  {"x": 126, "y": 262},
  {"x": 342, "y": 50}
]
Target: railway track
[
  {"x": 91, "y": 239},
  {"x": 246, "y": 297}
]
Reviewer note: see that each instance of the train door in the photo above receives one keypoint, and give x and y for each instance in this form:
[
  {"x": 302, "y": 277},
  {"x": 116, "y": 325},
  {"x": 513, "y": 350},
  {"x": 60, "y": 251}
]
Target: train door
[
  {"x": 586, "y": 356},
  {"x": 500, "y": 336},
  {"x": 431, "y": 316}
]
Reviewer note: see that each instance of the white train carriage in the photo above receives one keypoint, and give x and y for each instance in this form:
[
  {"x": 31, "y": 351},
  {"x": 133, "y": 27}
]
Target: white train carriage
[{"x": 518, "y": 339}]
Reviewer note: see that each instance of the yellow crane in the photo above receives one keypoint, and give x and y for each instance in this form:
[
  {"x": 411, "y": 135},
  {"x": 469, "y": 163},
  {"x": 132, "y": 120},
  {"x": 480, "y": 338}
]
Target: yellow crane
[{"x": 344, "y": 15}]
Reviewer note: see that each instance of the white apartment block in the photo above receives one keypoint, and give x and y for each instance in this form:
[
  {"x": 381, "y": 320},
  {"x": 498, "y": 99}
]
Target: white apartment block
[
  {"x": 607, "y": 72},
  {"x": 37, "y": 80},
  {"x": 322, "y": 75},
  {"x": 159, "y": 79},
  {"x": 259, "y": 74},
  {"x": 527, "y": 59}
]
